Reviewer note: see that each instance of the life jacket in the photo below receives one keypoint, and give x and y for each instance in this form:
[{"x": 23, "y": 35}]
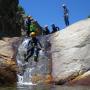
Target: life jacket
[{"x": 33, "y": 28}]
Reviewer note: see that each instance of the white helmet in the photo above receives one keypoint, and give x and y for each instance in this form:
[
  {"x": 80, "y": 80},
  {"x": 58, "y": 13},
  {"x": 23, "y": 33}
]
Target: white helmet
[
  {"x": 46, "y": 26},
  {"x": 63, "y": 5}
]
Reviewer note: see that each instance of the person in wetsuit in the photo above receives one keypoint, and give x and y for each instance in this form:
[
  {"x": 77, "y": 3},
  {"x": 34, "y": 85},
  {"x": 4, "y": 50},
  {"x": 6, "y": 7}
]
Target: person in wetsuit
[{"x": 34, "y": 47}]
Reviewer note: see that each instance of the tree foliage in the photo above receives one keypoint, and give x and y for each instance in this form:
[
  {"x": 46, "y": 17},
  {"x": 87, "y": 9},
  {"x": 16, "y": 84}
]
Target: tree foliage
[
  {"x": 20, "y": 9},
  {"x": 19, "y": 17}
]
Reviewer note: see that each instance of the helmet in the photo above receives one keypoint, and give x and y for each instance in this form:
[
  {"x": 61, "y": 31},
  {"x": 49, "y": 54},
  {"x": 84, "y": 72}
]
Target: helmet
[
  {"x": 46, "y": 26},
  {"x": 63, "y": 5},
  {"x": 33, "y": 34},
  {"x": 30, "y": 17}
]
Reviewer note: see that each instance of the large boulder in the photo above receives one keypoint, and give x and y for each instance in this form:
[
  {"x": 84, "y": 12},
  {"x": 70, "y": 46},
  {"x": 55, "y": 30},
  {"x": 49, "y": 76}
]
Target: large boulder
[
  {"x": 8, "y": 68},
  {"x": 71, "y": 54}
]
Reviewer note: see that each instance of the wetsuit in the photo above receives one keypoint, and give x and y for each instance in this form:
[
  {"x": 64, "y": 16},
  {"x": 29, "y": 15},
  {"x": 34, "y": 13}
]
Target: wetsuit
[{"x": 33, "y": 48}]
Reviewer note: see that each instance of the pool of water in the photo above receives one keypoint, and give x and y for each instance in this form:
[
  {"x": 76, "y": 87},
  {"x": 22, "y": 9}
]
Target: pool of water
[{"x": 46, "y": 87}]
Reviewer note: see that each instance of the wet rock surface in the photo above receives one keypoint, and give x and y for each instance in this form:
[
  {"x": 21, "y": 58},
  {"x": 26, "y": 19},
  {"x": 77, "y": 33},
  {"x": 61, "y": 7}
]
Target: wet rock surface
[
  {"x": 83, "y": 79},
  {"x": 71, "y": 54},
  {"x": 35, "y": 72},
  {"x": 8, "y": 68}
]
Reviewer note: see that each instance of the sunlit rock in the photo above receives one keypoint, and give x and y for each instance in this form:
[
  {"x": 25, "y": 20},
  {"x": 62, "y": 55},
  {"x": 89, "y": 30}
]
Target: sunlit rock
[
  {"x": 8, "y": 68},
  {"x": 81, "y": 79},
  {"x": 71, "y": 51}
]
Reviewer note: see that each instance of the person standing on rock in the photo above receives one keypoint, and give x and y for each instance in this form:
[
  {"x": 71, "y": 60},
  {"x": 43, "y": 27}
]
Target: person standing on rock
[
  {"x": 46, "y": 30},
  {"x": 28, "y": 23},
  {"x": 66, "y": 15},
  {"x": 54, "y": 28}
]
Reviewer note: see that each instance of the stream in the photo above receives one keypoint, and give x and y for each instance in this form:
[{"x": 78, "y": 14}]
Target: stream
[{"x": 46, "y": 87}]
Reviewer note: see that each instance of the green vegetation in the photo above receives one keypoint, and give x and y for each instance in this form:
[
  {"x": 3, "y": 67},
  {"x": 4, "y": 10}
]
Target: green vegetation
[
  {"x": 20, "y": 9},
  {"x": 19, "y": 17}
]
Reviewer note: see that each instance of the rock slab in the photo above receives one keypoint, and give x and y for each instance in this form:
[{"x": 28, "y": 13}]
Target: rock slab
[{"x": 71, "y": 52}]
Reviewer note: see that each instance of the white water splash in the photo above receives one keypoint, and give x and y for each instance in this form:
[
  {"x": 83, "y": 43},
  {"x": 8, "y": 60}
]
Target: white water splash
[{"x": 27, "y": 70}]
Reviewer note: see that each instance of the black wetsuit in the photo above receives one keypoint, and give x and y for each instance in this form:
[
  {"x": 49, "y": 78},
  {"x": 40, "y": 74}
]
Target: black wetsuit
[{"x": 33, "y": 48}]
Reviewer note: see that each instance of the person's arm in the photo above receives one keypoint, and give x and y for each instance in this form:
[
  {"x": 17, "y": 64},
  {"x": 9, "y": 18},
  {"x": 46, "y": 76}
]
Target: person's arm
[{"x": 39, "y": 44}]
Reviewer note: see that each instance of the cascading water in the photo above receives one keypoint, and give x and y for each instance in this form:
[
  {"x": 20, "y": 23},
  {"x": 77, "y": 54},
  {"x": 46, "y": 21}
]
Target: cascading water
[
  {"x": 31, "y": 69},
  {"x": 23, "y": 73}
]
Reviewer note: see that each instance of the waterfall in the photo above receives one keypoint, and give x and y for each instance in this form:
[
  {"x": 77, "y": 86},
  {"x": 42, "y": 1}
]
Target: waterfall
[{"x": 31, "y": 69}]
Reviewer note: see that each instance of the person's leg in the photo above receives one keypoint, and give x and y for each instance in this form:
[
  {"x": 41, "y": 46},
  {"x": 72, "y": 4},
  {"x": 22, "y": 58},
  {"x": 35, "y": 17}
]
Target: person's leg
[
  {"x": 36, "y": 55},
  {"x": 67, "y": 21},
  {"x": 29, "y": 54}
]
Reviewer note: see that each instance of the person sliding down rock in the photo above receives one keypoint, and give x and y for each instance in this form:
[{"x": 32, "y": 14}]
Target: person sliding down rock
[{"x": 34, "y": 46}]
